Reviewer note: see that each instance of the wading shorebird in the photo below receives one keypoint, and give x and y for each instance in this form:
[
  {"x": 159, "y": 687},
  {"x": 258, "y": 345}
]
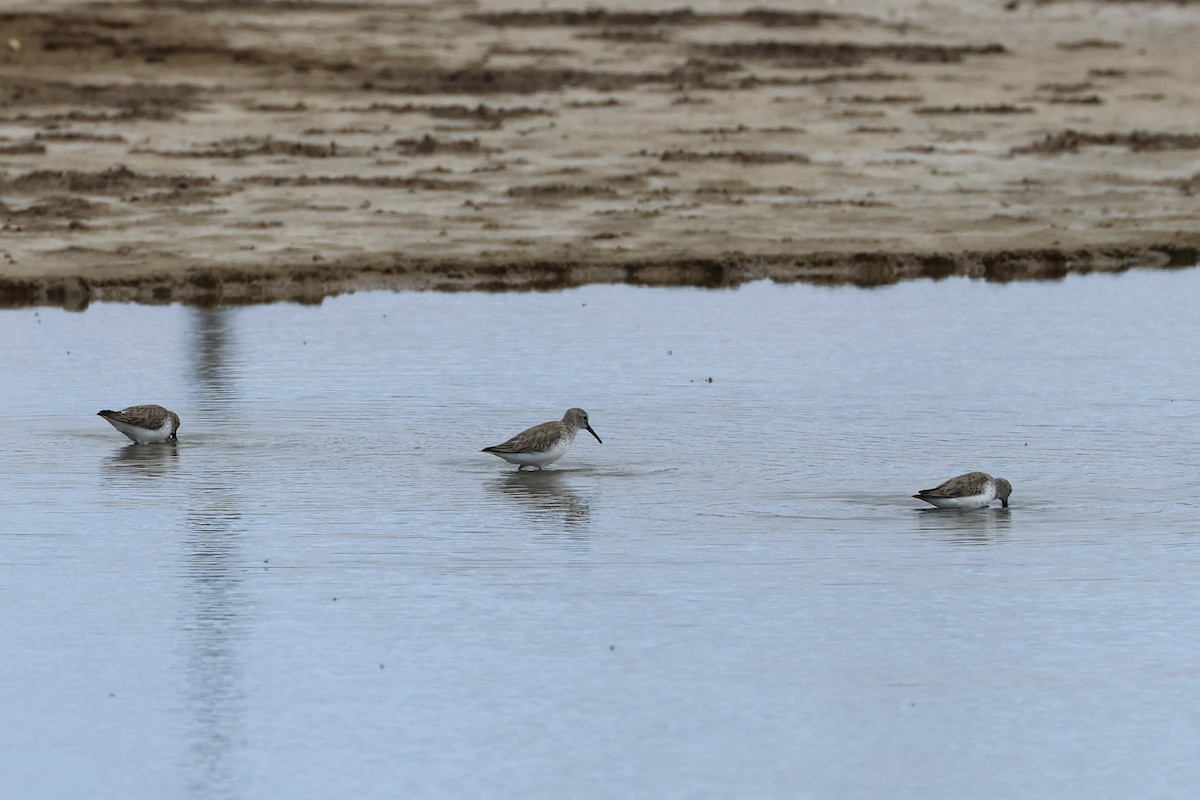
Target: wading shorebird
[
  {"x": 973, "y": 490},
  {"x": 144, "y": 424},
  {"x": 544, "y": 444}
]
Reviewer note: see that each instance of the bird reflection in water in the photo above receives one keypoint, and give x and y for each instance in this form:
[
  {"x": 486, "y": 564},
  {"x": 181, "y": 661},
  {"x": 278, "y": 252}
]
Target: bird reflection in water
[
  {"x": 137, "y": 461},
  {"x": 967, "y": 526},
  {"x": 546, "y": 496}
]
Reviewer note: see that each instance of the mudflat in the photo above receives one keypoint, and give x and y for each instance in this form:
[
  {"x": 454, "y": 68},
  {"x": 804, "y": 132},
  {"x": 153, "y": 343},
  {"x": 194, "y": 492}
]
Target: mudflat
[{"x": 227, "y": 152}]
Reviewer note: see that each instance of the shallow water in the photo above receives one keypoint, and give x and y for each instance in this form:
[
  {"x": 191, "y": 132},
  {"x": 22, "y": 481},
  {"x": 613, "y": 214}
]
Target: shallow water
[{"x": 325, "y": 590}]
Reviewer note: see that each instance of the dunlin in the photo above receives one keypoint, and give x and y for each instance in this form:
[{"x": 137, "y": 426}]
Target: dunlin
[
  {"x": 546, "y": 443},
  {"x": 144, "y": 424},
  {"x": 973, "y": 490}
]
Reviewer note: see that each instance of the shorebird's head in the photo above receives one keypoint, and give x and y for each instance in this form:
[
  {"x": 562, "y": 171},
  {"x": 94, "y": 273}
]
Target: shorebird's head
[
  {"x": 174, "y": 426},
  {"x": 1003, "y": 490},
  {"x": 578, "y": 419}
]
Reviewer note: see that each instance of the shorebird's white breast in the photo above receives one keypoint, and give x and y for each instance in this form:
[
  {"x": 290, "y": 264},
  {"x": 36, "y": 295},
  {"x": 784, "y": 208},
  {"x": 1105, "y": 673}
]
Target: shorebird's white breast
[
  {"x": 144, "y": 435},
  {"x": 540, "y": 458}
]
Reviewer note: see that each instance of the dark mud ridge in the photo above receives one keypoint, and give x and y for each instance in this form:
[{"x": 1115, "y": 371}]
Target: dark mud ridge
[{"x": 311, "y": 284}]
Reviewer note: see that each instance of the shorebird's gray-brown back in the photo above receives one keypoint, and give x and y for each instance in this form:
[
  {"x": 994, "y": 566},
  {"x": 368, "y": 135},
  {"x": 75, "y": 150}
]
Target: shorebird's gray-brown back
[{"x": 966, "y": 485}]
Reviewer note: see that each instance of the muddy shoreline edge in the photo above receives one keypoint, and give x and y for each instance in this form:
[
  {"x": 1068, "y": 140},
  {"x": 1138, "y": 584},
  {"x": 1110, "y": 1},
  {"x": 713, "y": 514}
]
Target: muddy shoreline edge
[{"x": 311, "y": 284}]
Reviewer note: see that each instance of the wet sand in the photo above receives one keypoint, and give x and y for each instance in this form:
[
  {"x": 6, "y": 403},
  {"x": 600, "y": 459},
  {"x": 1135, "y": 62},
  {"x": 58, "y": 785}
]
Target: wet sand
[{"x": 225, "y": 151}]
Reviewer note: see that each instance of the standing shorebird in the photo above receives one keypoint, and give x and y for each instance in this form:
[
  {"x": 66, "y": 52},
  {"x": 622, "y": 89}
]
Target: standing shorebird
[
  {"x": 144, "y": 424},
  {"x": 973, "y": 490},
  {"x": 544, "y": 444}
]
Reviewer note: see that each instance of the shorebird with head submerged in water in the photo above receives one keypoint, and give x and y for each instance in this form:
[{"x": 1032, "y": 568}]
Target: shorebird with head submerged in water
[
  {"x": 144, "y": 424},
  {"x": 972, "y": 490},
  {"x": 544, "y": 444}
]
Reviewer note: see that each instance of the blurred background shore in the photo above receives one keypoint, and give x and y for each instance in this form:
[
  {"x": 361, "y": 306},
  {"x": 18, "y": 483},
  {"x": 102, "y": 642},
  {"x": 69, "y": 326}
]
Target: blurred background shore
[{"x": 232, "y": 152}]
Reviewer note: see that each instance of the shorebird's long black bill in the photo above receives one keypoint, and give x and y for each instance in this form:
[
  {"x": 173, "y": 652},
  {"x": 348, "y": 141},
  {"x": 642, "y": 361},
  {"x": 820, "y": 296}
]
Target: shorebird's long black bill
[{"x": 593, "y": 433}]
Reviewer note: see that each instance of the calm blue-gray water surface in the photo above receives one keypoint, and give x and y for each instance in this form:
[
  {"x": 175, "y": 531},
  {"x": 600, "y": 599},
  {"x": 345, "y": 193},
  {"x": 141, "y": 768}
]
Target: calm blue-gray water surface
[{"x": 325, "y": 589}]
